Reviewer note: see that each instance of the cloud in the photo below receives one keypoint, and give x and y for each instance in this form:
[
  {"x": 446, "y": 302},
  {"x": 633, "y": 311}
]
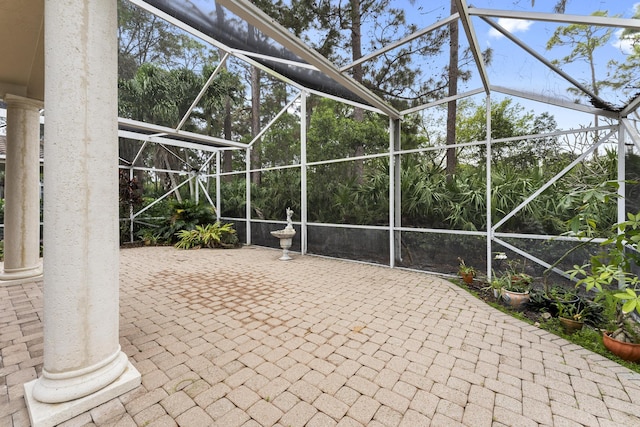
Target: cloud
[
  {"x": 624, "y": 44},
  {"x": 511, "y": 25}
]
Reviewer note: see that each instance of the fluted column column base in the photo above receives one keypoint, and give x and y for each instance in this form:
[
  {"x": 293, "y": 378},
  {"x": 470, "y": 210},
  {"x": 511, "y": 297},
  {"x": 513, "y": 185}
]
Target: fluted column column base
[
  {"x": 17, "y": 275},
  {"x": 50, "y": 414}
]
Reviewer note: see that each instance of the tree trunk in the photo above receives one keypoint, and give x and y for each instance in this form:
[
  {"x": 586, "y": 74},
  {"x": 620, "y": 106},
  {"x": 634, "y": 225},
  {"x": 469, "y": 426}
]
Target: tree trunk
[
  {"x": 256, "y": 177},
  {"x": 172, "y": 179},
  {"x": 255, "y": 123},
  {"x": 227, "y": 156},
  {"x": 594, "y": 84},
  {"x": 452, "y": 160},
  {"x": 356, "y": 53}
]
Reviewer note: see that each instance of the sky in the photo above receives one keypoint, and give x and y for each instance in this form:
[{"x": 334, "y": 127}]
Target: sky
[{"x": 512, "y": 67}]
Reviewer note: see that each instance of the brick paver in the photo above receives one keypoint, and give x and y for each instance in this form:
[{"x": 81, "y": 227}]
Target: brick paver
[{"x": 238, "y": 338}]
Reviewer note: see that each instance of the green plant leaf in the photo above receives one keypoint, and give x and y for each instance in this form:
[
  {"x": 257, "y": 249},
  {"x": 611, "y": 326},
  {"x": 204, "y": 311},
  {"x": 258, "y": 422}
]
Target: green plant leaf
[{"x": 629, "y": 306}]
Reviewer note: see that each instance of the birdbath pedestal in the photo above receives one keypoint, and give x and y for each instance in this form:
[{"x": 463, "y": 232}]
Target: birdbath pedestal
[{"x": 286, "y": 239}]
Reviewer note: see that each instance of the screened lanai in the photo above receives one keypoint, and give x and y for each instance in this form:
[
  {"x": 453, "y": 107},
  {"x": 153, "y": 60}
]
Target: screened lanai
[
  {"x": 76, "y": 53},
  {"x": 504, "y": 56}
]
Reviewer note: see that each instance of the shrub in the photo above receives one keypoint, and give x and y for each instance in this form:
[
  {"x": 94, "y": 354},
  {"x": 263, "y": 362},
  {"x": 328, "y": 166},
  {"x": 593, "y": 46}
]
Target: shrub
[{"x": 209, "y": 236}]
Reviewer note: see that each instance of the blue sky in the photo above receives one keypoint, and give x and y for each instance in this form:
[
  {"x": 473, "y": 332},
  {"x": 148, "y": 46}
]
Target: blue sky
[
  {"x": 514, "y": 68},
  {"x": 511, "y": 66}
]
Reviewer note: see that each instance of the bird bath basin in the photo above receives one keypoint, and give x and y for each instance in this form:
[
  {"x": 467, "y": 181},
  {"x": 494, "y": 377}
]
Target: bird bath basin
[{"x": 286, "y": 239}]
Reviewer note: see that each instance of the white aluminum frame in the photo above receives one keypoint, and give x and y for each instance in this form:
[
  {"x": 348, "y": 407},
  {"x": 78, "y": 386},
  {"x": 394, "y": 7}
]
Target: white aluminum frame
[{"x": 244, "y": 9}]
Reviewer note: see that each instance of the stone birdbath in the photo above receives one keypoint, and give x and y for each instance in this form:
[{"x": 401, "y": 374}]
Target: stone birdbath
[{"x": 286, "y": 236}]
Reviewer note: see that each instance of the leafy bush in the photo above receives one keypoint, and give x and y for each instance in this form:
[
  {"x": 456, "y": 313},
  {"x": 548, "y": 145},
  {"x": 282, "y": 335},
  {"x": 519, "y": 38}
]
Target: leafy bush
[
  {"x": 209, "y": 236},
  {"x": 185, "y": 215}
]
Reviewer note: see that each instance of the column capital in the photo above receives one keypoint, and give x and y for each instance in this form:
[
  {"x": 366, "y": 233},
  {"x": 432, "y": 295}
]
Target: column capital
[{"x": 20, "y": 101}]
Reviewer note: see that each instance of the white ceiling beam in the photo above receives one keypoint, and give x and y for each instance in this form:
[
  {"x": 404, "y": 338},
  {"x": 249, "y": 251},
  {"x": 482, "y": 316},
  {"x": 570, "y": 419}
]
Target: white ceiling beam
[
  {"x": 165, "y": 141},
  {"x": 249, "y": 60},
  {"x": 254, "y": 16},
  {"x": 553, "y": 101},
  {"x": 542, "y": 59},
  {"x": 604, "y": 21},
  {"x": 273, "y": 59},
  {"x": 442, "y": 101},
  {"x": 194, "y": 137},
  {"x": 465, "y": 19},
  {"x": 631, "y": 106}
]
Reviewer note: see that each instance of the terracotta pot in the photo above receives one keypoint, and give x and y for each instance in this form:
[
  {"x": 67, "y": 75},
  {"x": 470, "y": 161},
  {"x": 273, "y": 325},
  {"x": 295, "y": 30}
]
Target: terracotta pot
[
  {"x": 515, "y": 299},
  {"x": 467, "y": 278},
  {"x": 569, "y": 325},
  {"x": 624, "y": 350}
]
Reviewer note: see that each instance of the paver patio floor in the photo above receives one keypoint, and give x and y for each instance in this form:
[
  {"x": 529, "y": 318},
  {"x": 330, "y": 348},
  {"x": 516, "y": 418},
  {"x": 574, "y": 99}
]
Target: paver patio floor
[{"x": 237, "y": 338}]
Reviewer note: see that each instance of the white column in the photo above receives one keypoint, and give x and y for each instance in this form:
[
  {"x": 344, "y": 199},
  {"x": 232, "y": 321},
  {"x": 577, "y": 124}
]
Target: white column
[
  {"x": 304, "y": 196},
  {"x": 22, "y": 190},
  {"x": 83, "y": 363}
]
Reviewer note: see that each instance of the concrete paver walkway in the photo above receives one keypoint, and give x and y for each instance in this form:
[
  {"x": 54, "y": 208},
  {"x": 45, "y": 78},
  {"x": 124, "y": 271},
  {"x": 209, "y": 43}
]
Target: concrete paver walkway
[{"x": 237, "y": 338}]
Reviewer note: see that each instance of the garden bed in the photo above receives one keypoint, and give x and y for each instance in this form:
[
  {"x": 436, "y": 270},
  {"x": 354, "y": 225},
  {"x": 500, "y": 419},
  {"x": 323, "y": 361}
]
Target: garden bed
[{"x": 589, "y": 338}]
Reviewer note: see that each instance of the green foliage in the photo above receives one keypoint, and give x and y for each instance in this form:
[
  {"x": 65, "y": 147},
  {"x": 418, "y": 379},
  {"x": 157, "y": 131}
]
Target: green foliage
[
  {"x": 629, "y": 299},
  {"x": 610, "y": 274},
  {"x": 613, "y": 266},
  {"x": 233, "y": 195},
  {"x": 214, "y": 235},
  {"x": 519, "y": 282},
  {"x": 583, "y": 40},
  {"x": 558, "y": 301},
  {"x": 334, "y": 134},
  {"x": 499, "y": 281},
  {"x": 464, "y": 269},
  {"x": 580, "y": 309},
  {"x": 184, "y": 215},
  {"x": 508, "y": 119},
  {"x": 625, "y": 75},
  {"x": 277, "y": 190}
]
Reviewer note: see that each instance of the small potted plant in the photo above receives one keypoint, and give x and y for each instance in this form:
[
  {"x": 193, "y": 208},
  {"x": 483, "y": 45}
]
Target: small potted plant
[
  {"x": 627, "y": 330},
  {"x": 148, "y": 236},
  {"x": 467, "y": 272},
  {"x": 610, "y": 273},
  {"x": 515, "y": 289},
  {"x": 497, "y": 284},
  {"x": 571, "y": 313}
]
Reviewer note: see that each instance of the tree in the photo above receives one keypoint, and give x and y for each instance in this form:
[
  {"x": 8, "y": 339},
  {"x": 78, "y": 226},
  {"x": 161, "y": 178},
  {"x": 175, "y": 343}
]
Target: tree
[
  {"x": 508, "y": 119},
  {"x": 156, "y": 96},
  {"x": 333, "y": 134},
  {"x": 145, "y": 38},
  {"x": 583, "y": 40},
  {"x": 626, "y": 74},
  {"x": 162, "y": 97},
  {"x": 215, "y": 107},
  {"x": 452, "y": 106},
  {"x": 297, "y": 17},
  {"x": 456, "y": 71}
]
